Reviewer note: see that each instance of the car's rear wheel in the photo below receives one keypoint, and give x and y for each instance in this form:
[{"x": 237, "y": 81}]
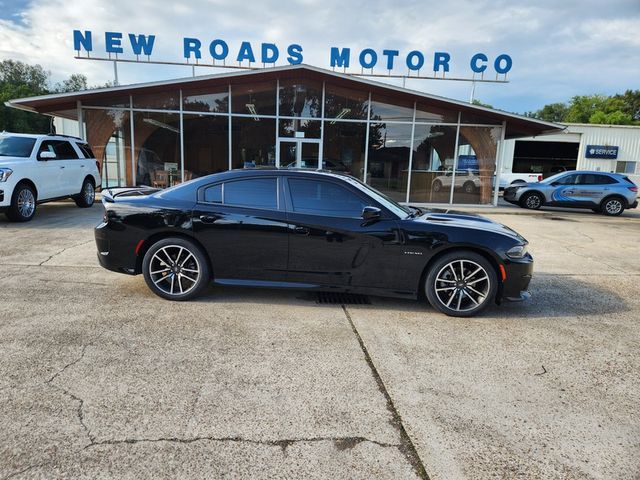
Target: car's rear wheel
[
  {"x": 437, "y": 186},
  {"x": 175, "y": 269},
  {"x": 469, "y": 187},
  {"x": 461, "y": 284},
  {"x": 612, "y": 206},
  {"x": 87, "y": 195},
  {"x": 23, "y": 203},
  {"x": 532, "y": 201}
]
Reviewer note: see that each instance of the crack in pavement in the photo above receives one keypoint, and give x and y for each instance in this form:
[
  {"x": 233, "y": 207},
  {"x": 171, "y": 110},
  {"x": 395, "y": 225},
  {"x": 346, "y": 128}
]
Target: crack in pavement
[
  {"x": 24, "y": 470},
  {"x": 341, "y": 443},
  {"x": 64, "y": 250},
  {"x": 406, "y": 446}
]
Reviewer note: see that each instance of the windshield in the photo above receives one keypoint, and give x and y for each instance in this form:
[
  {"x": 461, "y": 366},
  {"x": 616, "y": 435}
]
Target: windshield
[
  {"x": 16, "y": 146},
  {"x": 390, "y": 204}
]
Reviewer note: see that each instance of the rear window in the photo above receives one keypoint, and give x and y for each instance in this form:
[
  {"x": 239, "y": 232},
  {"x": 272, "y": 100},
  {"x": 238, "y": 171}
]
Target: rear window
[
  {"x": 86, "y": 150},
  {"x": 16, "y": 146},
  {"x": 62, "y": 149},
  {"x": 253, "y": 192}
]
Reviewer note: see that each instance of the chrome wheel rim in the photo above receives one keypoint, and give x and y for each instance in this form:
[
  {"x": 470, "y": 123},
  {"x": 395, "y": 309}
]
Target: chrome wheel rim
[
  {"x": 533, "y": 201},
  {"x": 437, "y": 186},
  {"x": 174, "y": 270},
  {"x": 26, "y": 203},
  {"x": 613, "y": 207},
  {"x": 462, "y": 285},
  {"x": 89, "y": 193}
]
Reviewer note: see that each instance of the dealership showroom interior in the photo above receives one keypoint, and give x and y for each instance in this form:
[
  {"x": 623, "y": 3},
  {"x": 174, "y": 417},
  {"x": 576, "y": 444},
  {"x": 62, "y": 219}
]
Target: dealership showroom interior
[{"x": 257, "y": 241}]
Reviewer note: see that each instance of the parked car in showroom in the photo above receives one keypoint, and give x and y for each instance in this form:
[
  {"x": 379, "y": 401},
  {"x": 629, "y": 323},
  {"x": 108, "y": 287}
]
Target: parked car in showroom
[
  {"x": 40, "y": 168},
  {"x": 311, "y": 230},
  {"x": 607, "y": 193},
  {"x": 467, "y": 180}
]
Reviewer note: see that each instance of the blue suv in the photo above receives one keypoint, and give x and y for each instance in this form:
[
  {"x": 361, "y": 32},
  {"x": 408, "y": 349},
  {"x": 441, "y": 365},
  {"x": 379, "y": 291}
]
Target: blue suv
[{"x": 607, "y": 193}]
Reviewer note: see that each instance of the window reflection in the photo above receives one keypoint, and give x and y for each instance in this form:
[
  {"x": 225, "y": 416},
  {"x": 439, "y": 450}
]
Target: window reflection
[
  {"x": 158, "y": 100},
  {"x": 433, "y": 114},
  {"x": 206, "y": 145},
  {"x": 386, "y": 108},
  {"x": 157, "y": 148},
  {"x": 344, "y": 146},
  {"x": 109, "y": 134},
  {"x": 300, "y": 98},
  {"x": 213, "y": 99},
  {"x": 253, "y": 142},
  {"x": 476, "y": 164},
  {"x": 346, "y": 103},
  {"x": 255, "y": 99},
  {"x": 310, "y": 128},
  {"x": 388, "y": 165}
]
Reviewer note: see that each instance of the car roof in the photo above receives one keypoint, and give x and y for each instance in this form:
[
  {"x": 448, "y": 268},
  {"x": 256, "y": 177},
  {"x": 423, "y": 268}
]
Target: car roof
[
  {"x": 592, "y": 172},
  {"x": 49, "y": 136}
]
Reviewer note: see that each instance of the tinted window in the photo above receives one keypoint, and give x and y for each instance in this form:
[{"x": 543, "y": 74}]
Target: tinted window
[
  {"x": 568, "y": 180},
  {"x": 604, "y": 180},
  {"x": 324, "y": 198},
  {"x": 213, "y": 194},
  {"x": 16, "y": 146},
  {"x": 62, "y": 149},
  {"x": 86, "y": 150},
  {"x": 254, "y": 192},
  {"x": 594, "y": 179}
]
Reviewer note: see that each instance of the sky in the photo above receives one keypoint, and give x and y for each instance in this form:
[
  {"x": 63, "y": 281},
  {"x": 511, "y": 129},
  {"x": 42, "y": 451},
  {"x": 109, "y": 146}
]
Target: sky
[{"x": 559, "y": 48}]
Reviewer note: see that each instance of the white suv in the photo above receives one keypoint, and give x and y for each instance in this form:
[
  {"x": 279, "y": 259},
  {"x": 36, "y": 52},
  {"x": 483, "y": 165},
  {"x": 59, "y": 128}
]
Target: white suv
[{"x": 41, "y": 168}]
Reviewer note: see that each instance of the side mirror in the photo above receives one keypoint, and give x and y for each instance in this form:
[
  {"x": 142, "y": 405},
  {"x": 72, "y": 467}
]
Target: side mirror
[
  {"x": 371, "y": 213},
  {"x": 47, "y": 155}
]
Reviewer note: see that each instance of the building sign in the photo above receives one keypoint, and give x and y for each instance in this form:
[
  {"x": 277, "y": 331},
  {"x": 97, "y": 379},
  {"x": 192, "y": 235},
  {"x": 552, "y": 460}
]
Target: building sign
[
  {"x": 601, "y": 151},
  {"x": 196, "y": 50},
  {"x": 467, "y": 162}
]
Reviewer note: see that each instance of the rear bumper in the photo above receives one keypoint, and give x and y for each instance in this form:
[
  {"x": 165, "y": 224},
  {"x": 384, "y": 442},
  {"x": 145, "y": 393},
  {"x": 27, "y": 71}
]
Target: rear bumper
[
  {"x": 633, "y": 205},
  {"x": 112, "y": 254}
]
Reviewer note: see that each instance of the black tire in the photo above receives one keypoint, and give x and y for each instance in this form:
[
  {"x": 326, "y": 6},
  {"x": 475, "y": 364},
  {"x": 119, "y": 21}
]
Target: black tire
[
  {"x": 469, "y": 187},
  {"x": 437, "y": 186},
  {"x": 596, "y": 210},
  {"x": 531, "y": 201},
  {"x": 444, "y": 285},
  {"x": 163, "y": 277},
  {"x": 23, "y": 203},
  {"x": 87, "y": 195},
  {"x": 613, "y": 206}
]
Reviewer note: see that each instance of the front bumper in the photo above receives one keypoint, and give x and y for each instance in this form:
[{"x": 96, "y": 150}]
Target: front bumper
[
  {"x": 634, "y": 205},
  {"x": 518, "y": 276}
]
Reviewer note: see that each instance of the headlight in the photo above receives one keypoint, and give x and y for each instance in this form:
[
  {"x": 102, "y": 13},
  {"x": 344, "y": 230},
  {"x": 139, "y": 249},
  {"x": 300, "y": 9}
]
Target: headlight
[
  {"x": 5, "y": 173},
  {"x": 518, "y": 251}
]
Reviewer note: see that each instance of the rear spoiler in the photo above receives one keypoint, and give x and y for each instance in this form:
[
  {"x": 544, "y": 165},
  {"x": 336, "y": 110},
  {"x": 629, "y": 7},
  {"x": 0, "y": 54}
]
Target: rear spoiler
[{"x": 110, "y": 194}]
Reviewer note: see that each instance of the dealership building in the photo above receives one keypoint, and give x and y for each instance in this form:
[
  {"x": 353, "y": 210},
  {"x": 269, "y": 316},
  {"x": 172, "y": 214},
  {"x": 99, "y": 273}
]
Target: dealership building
[{"x": 403, "y": 142}]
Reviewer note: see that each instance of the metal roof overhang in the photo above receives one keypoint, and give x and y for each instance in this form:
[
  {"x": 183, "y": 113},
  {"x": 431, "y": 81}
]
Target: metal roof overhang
[{"x": 517, "y": 125}]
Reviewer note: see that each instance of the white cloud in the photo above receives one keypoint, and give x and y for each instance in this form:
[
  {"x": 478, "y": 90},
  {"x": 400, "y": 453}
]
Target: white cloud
[{"x": 559, "y": 49}]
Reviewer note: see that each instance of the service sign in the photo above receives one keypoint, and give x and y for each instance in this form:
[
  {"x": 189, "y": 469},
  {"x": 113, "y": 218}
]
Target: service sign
[
  {"x": 601, "y": 151},
  {"x": 197, "y": 50}
]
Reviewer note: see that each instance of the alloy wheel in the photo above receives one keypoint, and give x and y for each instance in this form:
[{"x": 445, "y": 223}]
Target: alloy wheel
[
  {"x": 462, "y": 285},
  {"x": 26, "y": 203},
  {"x": 174, "y": 270},
  {"x": 532, "y": 201},
  {"x": 613, "y": 207},
  {"x": 89, "y": 193}
]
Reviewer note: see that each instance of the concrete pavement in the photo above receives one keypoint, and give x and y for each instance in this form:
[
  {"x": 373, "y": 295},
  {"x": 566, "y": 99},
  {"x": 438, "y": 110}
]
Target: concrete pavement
[{"x": 101, "y": 379}]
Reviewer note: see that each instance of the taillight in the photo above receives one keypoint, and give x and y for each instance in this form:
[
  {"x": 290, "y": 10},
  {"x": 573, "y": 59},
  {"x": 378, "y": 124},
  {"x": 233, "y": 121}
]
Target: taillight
[
  {"x": 634, "y": 189},
  {"x": 539, "y": 178}
]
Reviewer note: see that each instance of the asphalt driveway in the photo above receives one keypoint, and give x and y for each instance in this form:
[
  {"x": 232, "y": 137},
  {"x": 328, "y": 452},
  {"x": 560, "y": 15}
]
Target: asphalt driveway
[{"x": 99, "y": 378}]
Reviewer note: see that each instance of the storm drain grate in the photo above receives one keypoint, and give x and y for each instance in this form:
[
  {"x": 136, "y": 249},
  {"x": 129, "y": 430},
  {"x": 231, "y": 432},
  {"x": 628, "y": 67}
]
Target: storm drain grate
[{"x": 337, "y": 298}]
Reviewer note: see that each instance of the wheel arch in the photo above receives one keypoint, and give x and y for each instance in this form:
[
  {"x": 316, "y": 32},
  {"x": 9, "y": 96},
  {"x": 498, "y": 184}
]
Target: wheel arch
[
  {"x": 27, "y": 182},
  {"x": 625, "y": 203},
  {"x": 460, "y": 248},
  {"x": 156, "y": 237},
  {"x": 534, "y": 190}
]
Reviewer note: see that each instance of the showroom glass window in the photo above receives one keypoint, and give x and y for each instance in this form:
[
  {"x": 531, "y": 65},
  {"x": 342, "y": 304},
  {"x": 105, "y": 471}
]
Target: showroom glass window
[
  {"x": 347, "y": 103},
  {"x": 255, "y": 98},
  {"x": 213, "y": 99},
  {"x": 300, "y": 98}
]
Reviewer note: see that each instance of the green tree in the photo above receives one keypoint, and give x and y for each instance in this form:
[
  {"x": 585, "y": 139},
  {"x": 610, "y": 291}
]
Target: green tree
[
  {"x": 17, "y": 79},
  {"x": 554, "y": 112},
  {"x": 76, "y": 82}
]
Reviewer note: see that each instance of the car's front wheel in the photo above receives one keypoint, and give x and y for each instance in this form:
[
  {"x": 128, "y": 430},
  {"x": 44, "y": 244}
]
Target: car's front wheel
[
  {"x": 532, "y": 201},
  {"x": 23, "y": 203},
  {"x": 461, "y": 284},
  {"x": 87, "y": 195},
  {"x": 175, "y": 269},
  {"x": 613, "y": 206}
]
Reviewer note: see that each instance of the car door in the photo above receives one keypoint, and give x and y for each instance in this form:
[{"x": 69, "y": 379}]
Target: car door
[
  {"x": 51, "y": 172},
  {"x": 564, "y": 190},
  {"x": 330, "y": 243},
  {"x": 242, "y": 224},
  {"x": 72, "y": 175},
  {"x": 587, "y": 191}
]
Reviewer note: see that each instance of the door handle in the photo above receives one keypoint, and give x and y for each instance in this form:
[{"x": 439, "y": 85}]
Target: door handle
[
  {"x": 81, "y": 166},
  {"x": 61, "y": 167},
  {"x": 207, "y": 218},
  {"x": 302, "y": 230}
]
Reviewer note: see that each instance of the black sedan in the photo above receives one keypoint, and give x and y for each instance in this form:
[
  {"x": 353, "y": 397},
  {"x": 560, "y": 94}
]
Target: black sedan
[{"x": 308, "y": 230}]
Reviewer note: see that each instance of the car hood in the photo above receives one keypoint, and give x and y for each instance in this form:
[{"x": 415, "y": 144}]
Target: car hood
[
  {"x": 10, "y": 161},
  {"x": 468, "y": 220}
]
